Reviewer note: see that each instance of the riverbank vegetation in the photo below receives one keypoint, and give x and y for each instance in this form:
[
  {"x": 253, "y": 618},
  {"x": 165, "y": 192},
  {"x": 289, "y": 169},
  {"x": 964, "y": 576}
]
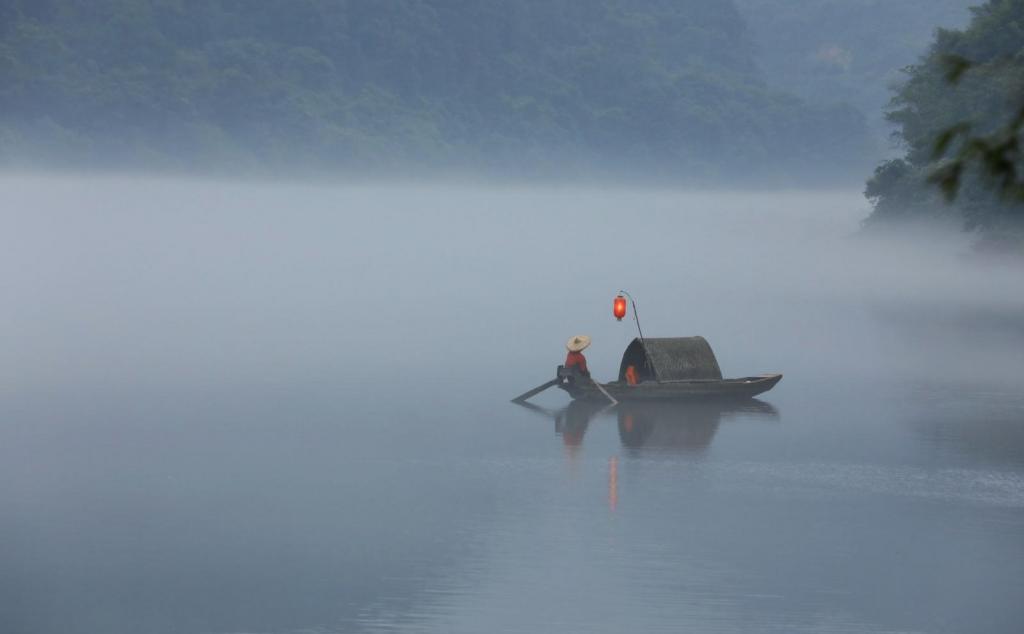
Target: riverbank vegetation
[
  {"x": 959, "y": 116},
  {"x": 638, "y": 88}
]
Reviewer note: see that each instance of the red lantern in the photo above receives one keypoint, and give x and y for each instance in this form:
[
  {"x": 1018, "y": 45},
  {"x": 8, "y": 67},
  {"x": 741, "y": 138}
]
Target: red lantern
[{"x": 619, "y": 309}]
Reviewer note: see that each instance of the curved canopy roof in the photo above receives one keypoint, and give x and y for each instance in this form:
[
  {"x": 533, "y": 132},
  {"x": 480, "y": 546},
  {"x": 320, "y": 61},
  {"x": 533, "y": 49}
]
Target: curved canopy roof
[{"x": 671, "y": 359}]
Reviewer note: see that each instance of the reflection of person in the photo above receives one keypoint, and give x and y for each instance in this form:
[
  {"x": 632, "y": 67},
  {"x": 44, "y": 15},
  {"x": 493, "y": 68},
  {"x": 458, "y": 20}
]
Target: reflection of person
[
  {"x": 573, "y": 421},
  {"x": 575, "y": 358}
]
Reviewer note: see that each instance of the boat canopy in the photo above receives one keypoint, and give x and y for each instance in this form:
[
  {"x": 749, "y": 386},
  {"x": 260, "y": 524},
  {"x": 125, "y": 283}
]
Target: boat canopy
[{"x": 673, "y": 359}]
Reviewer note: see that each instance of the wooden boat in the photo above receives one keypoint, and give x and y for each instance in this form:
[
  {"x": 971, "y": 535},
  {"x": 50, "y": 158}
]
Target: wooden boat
[
  {"x": 678, "y": 368},
  {"x": 741, "y": 388}
]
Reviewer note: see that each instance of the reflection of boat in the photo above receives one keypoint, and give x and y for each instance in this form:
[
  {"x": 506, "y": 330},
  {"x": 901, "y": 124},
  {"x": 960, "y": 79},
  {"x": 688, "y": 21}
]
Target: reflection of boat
[
  {"x": 680, "y": 425},
  {"x": 680, "y": 368}
]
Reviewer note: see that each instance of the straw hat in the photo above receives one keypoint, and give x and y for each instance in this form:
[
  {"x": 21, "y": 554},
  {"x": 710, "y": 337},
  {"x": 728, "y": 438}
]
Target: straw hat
[{"x": 578, "y": 343}]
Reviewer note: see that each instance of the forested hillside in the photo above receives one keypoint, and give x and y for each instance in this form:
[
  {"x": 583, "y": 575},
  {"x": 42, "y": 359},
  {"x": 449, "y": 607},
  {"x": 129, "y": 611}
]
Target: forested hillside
[
  {"x": 988, "y": 96},
  {"x": 851, "y": 51},
  {"x": 662, "y": 87}
]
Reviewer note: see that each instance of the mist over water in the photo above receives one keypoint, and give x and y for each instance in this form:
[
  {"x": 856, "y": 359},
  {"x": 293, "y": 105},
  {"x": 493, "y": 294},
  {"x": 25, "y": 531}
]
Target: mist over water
[{"x": 263, "y": 407}]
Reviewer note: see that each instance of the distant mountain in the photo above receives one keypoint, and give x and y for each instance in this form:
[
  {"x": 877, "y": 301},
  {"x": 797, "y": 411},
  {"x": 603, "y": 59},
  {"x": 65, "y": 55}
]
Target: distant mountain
[
  {"x": 664, "y": 88},
  {"x": 846, "y": 51}
]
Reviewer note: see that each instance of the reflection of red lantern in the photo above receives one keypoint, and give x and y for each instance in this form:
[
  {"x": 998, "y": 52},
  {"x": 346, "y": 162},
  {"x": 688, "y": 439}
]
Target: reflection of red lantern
[{"x": 620, "y": 307}]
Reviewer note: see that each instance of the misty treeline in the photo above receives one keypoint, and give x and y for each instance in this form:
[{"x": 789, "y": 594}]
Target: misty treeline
[
  {"x": 959, "y": 115},
  {"x": 668, "y": 88},
  {"x": 846, "y": 50}
]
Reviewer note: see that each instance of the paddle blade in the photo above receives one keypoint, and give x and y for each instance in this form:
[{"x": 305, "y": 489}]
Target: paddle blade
[{"x": 535, "y": 391}]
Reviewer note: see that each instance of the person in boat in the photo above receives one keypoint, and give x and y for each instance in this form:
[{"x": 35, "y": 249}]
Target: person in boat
[{"x": 575, "y": 359}]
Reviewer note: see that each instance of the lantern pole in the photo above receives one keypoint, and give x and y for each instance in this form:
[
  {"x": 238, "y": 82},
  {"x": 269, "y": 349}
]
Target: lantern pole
[{"x": 643, "y": 342}]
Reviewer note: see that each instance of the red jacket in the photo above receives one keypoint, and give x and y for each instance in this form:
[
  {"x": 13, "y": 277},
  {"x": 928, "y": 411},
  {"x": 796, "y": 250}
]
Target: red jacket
[{"x": 577, "y": 359}]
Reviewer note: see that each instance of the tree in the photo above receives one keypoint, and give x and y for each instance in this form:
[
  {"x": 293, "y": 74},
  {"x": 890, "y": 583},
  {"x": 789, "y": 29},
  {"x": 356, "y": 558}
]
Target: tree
[{"x": 960, "y": 114}]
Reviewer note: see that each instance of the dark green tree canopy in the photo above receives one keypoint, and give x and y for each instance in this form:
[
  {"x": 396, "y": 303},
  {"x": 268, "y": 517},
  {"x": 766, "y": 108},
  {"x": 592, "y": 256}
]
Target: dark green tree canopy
[{"x": 959, "y": 110}]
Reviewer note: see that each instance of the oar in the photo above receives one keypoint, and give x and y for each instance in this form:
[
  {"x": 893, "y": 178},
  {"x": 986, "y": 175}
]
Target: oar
[
  {"x": 605, "y": 392},
  {"x": 535, "y": 391}
]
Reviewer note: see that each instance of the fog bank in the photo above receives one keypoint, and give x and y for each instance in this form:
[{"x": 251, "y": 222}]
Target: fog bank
[{"x": 134, "y": 281}]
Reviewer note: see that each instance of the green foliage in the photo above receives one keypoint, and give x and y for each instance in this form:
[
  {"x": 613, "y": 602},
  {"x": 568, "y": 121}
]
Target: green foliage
[
  {"x": 997, "y": 154},
  {"x": 960, "y": 113},
  {"x": 662, "y": 87}
]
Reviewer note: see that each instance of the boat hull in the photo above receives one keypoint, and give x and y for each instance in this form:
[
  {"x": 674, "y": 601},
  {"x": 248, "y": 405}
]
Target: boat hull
[{"x": 724, "y": 389}]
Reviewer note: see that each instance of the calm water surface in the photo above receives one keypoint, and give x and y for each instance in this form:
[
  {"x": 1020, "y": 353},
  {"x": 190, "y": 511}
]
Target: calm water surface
[{"x": 232, "y": 408}]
